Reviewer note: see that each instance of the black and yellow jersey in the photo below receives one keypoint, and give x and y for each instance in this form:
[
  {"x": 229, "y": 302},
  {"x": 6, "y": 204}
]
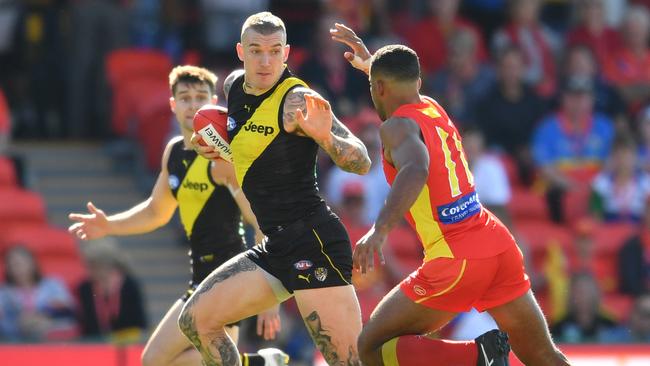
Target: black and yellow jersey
[
  {"x": 276, "y": 169},
  {"x": 209, "y": 213}
]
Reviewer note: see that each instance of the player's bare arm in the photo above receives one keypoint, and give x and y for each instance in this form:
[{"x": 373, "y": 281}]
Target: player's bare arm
[
  {"x": 147, "y": 216},
  {"x": 404, "y": 149},
  {"x": 308, "y": 114},
  {"x": 359, "y": 58}
]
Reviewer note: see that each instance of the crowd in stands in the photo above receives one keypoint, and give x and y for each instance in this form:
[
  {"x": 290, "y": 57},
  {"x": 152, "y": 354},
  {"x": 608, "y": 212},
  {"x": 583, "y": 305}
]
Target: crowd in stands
[{"x": 552, "y": 97}]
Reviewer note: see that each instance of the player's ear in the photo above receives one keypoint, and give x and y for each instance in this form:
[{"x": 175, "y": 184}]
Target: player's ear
[
  {"x": 419, "y": 83},
  {"x": 381, "y": 87},
  {"x": 286, "y": 50},
  {"x": 240, "y": 51},
  {"x": 214, "y": 99},
  {"x": 172, "y": 104}
]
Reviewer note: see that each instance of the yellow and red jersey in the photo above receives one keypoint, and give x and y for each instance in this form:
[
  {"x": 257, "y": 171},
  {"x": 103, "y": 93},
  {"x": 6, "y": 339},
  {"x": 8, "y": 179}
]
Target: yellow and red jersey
[{"x": 447, "y": 215}]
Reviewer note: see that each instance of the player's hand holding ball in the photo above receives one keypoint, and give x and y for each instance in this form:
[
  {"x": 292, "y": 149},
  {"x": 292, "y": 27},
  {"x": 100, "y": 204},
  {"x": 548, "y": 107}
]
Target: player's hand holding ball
[{"x": 210, "y": 138}]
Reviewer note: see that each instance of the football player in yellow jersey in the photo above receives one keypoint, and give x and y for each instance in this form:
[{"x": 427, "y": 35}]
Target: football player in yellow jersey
[
  {"x": 307, "y": 253},
  {"x": 211, "y": 207}
]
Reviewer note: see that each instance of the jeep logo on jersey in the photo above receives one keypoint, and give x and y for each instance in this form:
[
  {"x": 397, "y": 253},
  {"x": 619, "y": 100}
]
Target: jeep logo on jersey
[
  {"x": 195, "y": 186},
  {"x": 265, "y": 130},
  {"x": 460, "y": 209},
  {"x": 303, "y": 265},
  {"x": 173, "y": 181},
  {"x": 231, "y": 124}
]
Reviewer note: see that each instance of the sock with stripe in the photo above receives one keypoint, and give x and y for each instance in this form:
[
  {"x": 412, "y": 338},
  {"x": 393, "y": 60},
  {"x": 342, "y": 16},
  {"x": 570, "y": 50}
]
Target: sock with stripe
[
  {"x": 252, "y": 359},
  {"x": 417, "y": 350}
]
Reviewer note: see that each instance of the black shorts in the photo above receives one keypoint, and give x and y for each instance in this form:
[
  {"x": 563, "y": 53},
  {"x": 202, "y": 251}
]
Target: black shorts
[
  {"x": 202, "y": 264},
  {"x": 313, "y": 252}
]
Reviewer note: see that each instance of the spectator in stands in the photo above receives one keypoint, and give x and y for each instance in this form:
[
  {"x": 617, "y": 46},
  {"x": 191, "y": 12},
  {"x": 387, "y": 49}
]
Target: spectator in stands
[
  {"x": 592, "y": 30},
  {"x": 97, "y": 27},
  {"x": 331, "y": 76},
  {"x": 570, "y": 146},
  {"x": 375, "y": 188},
  {"x": 537, "y": 42},
  {"x": 5, "y": 124},
  {"x": 463, "y": 81},
  {"x": 442, "y": 22},
  {"x": 643, "y": 126},
  {"x": 489, "y": 173},
  {"x": 580, "y": 62},
  {"x": 620, "y": 191},
  {"x": 111, "y": 298},
  {"x": 33, "y": 307},
  {"x": 510, "y": 110},
  {"x": 627, "y": 67},
  {"x": 639, "y": 322},
  {"x": 372, "y": 286},
  {"x": 584, "y": 320},
  {"x": 634, "y": 260}
]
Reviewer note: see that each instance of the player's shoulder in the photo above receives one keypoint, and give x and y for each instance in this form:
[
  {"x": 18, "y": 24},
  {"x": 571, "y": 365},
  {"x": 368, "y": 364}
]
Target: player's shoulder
[
  {"x": 396, "y": 124},
  {"x": 173, "y": 144}
]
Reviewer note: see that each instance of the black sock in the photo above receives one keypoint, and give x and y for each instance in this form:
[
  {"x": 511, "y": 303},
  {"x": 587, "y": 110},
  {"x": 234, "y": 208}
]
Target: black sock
[{"x": 252, "y": 359}]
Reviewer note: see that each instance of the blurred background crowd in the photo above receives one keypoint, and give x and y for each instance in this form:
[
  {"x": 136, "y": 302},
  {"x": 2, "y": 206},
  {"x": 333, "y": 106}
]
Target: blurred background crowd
[{"x": 552, "y": 99}]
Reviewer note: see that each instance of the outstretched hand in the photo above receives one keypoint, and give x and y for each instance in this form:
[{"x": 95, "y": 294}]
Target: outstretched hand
[
  {"x": 268, "y": 323},
  {"x": 363, "y": 258},
  {"x": 360, "y": 56},
  {"x": 317, "y": 123},
  {"x": 89, "y": 226}
]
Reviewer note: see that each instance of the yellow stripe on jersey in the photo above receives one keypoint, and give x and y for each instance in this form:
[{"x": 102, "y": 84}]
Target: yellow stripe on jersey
[
  {"x": 389, "y": 353},
  {"x": 430, "y": 111},
  {"x": 459, "y": 147},
  {"x": 428, "y": 229},
  {"x": 193, "y": 193},
  {"x": 450, "y": 164},
  {"x": 260, "y": 130}
]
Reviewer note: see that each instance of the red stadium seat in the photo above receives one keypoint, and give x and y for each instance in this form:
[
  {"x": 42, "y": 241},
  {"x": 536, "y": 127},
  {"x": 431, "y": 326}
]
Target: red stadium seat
[
  {"x": 70, "y": 270},
  {"x": 128, "y": 66},
  {"x": 618, "y": 305},
  {"x": 539, "y": 235},
  {"x": 609, "y": 238},
  {"x": 7, "y": 173},
  {"x": 154, "y": 120},
  {"x": 42, "y": 240},
  {"x": 20, "y": 206},
  {"x": 526, "y": 204}
]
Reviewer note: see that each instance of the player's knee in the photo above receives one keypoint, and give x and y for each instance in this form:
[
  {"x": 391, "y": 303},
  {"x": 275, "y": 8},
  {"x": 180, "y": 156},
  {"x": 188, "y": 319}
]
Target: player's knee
[{"x": 368, "y": 348}]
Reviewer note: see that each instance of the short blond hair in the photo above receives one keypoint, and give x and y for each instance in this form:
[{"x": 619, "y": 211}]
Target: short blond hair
[
  {"x": 192, "y": 75},
  {"x": 264, "y": 23}
]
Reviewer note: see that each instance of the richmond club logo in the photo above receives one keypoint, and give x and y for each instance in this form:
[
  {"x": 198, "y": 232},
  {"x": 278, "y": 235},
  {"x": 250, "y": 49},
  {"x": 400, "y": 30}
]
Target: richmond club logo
[{"x": 231, "y": 124}]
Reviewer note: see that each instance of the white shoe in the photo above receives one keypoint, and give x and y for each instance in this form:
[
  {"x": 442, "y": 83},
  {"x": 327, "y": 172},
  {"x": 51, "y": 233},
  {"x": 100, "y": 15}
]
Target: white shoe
[{"x": 274, "y": 357}]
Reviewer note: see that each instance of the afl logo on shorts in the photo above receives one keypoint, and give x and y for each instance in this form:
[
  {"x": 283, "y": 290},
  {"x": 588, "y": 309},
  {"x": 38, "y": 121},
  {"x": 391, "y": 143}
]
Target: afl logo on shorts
[
  {"x": 173, "y": 182},
  {"x": 419, "y": 290},
  {"x": 320, "y": 273},
  {"x": 303, "y": 265},
  {"x": 231, "y": 124}
]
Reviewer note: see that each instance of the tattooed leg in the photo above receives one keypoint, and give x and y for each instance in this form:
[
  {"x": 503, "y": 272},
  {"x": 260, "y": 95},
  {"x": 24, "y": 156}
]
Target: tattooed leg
[
  {"x": 213, "y": 305},
  {"x": 334, "y": 329}
]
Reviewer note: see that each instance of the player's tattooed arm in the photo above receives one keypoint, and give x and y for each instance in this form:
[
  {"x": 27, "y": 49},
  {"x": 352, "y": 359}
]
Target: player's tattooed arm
[
  {"x": 347, "y": 151},
  {"x": 308, "y": 114},
  {"x": 324, "y": 342}
]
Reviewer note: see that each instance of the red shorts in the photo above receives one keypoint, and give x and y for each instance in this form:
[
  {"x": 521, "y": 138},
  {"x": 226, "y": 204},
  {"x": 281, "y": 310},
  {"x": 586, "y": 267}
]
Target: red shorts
[{"x": 457, "y": 285}]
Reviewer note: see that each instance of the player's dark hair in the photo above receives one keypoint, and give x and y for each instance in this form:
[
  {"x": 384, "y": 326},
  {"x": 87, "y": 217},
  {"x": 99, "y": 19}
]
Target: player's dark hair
[
  {"x": 264, "y": 23},
  {"x": 396, "y": 62},
  {"x": 36, "y": 274},
  {"x": 192, "y": 75}
]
